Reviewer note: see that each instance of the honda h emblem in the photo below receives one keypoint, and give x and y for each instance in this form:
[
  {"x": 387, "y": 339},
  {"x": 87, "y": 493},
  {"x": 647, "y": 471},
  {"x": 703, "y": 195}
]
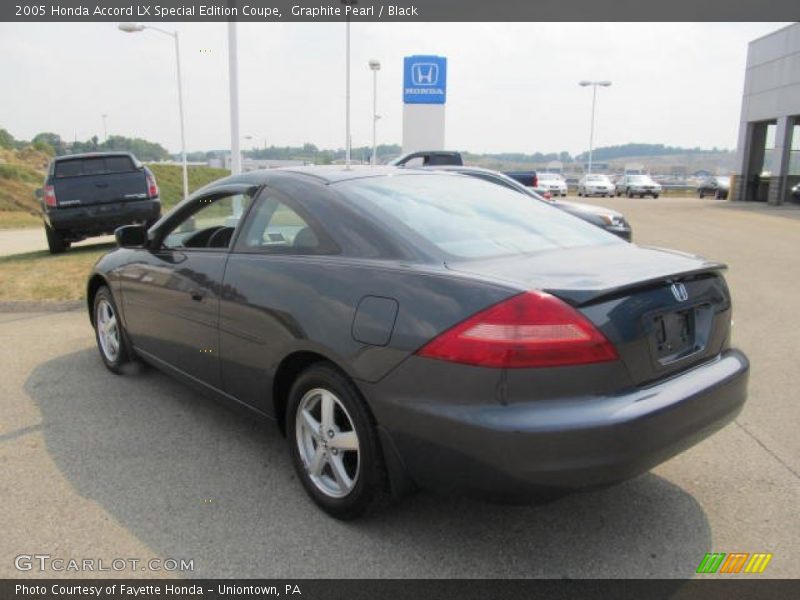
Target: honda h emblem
[
  {"x": 679, "y": 291},
  {"x": 425, "y": 74}
]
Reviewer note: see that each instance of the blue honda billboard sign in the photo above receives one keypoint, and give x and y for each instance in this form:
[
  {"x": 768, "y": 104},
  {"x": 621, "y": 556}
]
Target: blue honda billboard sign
[{"x": 424, "y": 79}]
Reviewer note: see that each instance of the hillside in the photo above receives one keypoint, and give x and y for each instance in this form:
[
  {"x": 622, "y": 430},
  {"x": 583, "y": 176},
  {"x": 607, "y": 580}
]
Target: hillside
[
  {"x": 21, "y": 172},
  {"x": 170, "y": 180}
]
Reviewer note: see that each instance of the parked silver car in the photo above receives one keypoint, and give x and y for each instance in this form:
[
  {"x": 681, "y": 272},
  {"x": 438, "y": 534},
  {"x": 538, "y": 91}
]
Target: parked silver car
[
  {"x": 637, "y": 185},
  {"x": 553, "y": 183},
  {"x": 595, "y": 185}
]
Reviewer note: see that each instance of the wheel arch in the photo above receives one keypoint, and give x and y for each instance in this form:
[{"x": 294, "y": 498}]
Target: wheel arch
[
  {"x": 287, "y": 372},
  {"x": 96, "y": 281}
]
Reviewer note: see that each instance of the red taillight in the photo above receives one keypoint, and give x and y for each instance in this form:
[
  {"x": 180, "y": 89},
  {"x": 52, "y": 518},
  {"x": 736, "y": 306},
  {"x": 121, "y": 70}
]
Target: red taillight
[
  {"x": 49, "y": 195},
  {"x": 535, "y": 181},
  {"x": 152, "y": 187},
  {"x": 533, "y": 329}
]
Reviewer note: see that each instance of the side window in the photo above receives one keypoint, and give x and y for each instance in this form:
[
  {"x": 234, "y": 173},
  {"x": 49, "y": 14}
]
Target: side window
[
  {"x": 211, "y": 225},
  {"x": 274, "y": 226}
]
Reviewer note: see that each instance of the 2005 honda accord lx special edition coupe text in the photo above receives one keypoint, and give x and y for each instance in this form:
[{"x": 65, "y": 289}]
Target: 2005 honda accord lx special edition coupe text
[{"x": 413, "y": 328}]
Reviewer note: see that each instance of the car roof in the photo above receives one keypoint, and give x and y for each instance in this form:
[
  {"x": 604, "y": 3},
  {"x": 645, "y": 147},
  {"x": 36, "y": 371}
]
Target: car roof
[
  {"x": 328, "y": 174},
  {"x": 93, "y": 155}
]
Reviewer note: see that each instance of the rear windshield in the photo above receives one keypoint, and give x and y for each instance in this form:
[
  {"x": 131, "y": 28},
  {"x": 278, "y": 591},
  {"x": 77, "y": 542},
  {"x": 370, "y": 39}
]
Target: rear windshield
[
  {"x": 97, "y": 165},
  {"x": 466, "y": 217}
]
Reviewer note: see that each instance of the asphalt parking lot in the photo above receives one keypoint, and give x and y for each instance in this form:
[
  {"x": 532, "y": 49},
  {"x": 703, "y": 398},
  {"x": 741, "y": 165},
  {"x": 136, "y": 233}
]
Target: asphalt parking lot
[{"x": 101, "y": 466}]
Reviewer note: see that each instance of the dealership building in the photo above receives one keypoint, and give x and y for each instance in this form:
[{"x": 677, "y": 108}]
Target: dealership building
[{"x": 769, "y": 128}]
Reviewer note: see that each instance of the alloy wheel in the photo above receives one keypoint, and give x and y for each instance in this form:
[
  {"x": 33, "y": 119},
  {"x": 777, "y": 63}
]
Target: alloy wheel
[
  {"x": 107, "y": 330},
  {"x": 327, "y": 442}
]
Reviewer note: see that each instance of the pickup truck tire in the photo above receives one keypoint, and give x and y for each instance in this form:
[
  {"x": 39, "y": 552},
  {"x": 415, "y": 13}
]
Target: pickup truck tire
[
  {"x": 112, "y": 340},
  {"x": 55, "y": 241}
]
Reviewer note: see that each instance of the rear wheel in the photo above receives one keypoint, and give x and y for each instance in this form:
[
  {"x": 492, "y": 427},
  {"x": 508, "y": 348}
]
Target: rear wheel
[
  {"x": 700, "y": 194},
  {"x": 655, "y": 196},
  {"x": 109, "y": 332},
  {"x": 333, "y": 443},
  {"x": 55, "y": 241}
]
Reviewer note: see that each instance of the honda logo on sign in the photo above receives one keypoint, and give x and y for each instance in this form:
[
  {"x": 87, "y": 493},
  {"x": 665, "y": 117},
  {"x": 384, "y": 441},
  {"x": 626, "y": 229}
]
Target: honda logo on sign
[
  {"x": 424, "y": 79},
  {"x": 425, "y": 74},
  {"x": 679, "y": 291}
]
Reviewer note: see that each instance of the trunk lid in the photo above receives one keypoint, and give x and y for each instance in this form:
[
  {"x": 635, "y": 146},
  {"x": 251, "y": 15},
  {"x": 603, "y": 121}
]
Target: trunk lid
[
  {"x": 98, "y": 180},
  {"x": 665, "y": 311}
]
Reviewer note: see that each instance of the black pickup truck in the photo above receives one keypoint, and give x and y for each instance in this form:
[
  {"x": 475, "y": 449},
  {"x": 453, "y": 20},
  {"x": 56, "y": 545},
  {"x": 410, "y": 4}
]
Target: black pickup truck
[{"x": 86, "y": 195}]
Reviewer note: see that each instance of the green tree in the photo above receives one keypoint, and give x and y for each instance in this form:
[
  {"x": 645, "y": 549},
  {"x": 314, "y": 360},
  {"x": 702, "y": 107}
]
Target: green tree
[{"x": 6, "y": 139}]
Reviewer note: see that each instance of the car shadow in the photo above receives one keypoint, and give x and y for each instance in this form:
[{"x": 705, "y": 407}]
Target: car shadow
[{"x": 194, "y": 480}]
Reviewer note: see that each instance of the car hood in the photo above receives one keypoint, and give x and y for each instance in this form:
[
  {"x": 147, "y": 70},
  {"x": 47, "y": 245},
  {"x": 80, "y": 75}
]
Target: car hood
[{"x": 580, "y": 275}]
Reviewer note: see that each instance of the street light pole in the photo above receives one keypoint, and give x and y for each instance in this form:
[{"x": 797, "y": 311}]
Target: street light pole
[
  {"x": 347, "y": 82},
  {"x": 137, "y": 27},
  {"x": 375, "y": 65},
  {"x": 233, "y": 80},
  {"x": 594, "y": 85},
  {"x": 183, "y": 127}
]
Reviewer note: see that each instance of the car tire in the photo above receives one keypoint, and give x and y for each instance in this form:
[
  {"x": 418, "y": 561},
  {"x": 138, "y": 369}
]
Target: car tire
[
  {"x": 701, "y": 195},
  {"x": 629, "y": 194},
  {"x": 55, "y": 241},
  {"x": 655, "y": 196},
  {"x": 345, "y": 477},
  {"x": 109, "y": 333}
]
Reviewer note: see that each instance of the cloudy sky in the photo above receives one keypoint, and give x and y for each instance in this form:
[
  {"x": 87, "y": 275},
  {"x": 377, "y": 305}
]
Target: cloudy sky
[{"x": 511, "y": 86}]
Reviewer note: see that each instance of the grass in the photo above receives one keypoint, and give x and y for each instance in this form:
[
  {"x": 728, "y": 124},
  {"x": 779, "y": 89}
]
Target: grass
[
  {"x": 170, "y": 181},
  {"x": 37, "y": 276}
]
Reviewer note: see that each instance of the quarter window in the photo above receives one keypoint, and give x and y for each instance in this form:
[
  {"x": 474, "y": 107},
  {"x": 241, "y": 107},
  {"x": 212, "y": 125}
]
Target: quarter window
[{"x": 276, "y": 227}]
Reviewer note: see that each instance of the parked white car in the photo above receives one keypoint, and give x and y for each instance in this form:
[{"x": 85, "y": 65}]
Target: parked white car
[
  {"x": 595, "y": 185},
  {"x": 553, "y": 183}
]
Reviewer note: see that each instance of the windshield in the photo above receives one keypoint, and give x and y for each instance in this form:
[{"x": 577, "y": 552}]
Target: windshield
[
  {"x": 597, "y": 178},
  {"x": 640, "y": 179},
  {"x": 466, "y": 217}
]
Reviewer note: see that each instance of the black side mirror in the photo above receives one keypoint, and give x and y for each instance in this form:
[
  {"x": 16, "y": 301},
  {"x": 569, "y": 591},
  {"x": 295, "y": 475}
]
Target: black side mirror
[
  {"x": 131, "y": 236},
  {"x": 39, "y": 192}
]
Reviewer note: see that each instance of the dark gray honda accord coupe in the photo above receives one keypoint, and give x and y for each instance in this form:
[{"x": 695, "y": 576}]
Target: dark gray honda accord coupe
[{"x": 408, "y": 328}]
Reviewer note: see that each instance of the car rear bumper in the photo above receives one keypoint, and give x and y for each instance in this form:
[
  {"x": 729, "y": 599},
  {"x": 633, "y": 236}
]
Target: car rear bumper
[
  {"x": 100, "y": 219},
  {"x": 521, "y": 449}
]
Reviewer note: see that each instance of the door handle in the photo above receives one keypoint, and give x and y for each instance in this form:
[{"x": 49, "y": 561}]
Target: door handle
[{"x": 197, "y": 295}]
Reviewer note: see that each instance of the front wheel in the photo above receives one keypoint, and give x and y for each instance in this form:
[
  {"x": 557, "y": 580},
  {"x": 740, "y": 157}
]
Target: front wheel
[
  {"x": 655, "y": 196},
  {"x": 333, "y": 443},
  {"x": 109, "y": 332}
]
